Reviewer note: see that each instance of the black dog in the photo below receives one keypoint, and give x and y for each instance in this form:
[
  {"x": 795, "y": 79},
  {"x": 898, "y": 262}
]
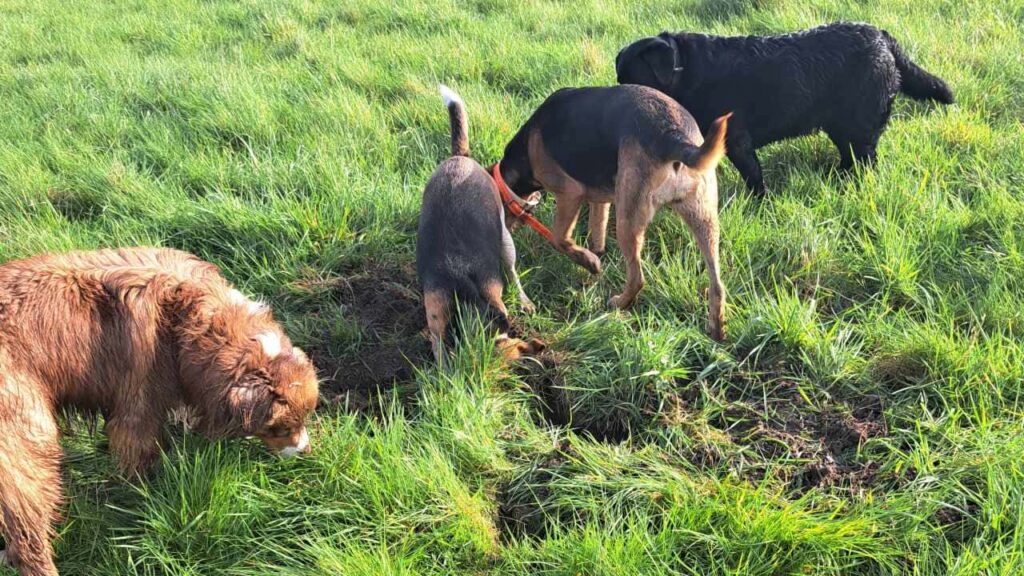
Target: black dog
[
  {"x": 463, "y": 243},
  {"x": 840, "y": 78}
]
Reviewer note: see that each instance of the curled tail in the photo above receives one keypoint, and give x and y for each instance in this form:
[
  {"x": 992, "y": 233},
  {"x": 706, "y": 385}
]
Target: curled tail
[
  {"x": 458, "y": 120},
  {"x": 707, "y": 155},
  {"x": 915, "y": 81}
]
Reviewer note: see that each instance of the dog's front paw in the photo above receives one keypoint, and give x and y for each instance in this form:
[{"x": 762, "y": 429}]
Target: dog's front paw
[
  {"x": 619, "y": 302},
  {"x": 527, "y": 304},
  {"x": 588, "y": 260}
]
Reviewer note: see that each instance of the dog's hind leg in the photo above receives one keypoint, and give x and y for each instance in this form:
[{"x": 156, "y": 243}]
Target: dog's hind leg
[
  {"x": 857, "y": 133},
  {"x": 508, "y": 261},
  {"x": 438, "y": 307},
  {"x": 630, "y": 227},
  {"x": 598, "y": 224},
  {"x": 865, "y": 148},
  {"x": 701, "y": 215},
  {"x": 861, "y": 149},
  {"x": 510, "y": 348},
  {"x": 845, "y": 152},
  {"x": 635, "y": 186},
  {"x": 30, "y": 490},
  {"x": 491, "y": 293}
]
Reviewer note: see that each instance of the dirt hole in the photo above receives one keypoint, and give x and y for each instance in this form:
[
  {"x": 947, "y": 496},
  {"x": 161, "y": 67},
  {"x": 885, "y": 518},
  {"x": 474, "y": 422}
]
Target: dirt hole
[
  {"x": 385, "y": 305},
  {"x": 816, "y": 447}
]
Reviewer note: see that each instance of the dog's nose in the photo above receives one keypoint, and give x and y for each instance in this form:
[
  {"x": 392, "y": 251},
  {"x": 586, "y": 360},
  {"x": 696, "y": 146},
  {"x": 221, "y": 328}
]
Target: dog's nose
[{"x": 303, "y": 444}]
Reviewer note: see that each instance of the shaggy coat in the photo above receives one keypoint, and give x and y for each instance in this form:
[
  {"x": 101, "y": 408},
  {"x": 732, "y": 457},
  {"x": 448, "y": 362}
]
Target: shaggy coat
[
  {"x": 132, "y": 334},
  {"x": 841, "y": 78}
]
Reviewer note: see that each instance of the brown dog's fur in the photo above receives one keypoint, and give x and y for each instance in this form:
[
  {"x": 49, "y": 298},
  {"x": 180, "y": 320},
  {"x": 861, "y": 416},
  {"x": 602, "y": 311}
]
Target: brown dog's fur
[{"x": 132, "y": 334}]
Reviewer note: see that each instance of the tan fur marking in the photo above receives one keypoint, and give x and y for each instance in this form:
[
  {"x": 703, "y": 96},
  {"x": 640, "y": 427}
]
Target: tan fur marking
[
  {"x": 492, "y": 293},
  {"x": 437, "y": 303},
  {"x": 598, "y": 225}
]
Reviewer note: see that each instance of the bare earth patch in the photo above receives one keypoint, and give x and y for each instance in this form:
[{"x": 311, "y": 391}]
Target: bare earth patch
[
  {"x": 385, "y": 305},
  {"x": 802, "y": 446}
]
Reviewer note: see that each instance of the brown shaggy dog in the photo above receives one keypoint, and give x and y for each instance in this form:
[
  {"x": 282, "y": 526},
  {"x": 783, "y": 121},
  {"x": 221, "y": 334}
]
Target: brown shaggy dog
[{"x": 133, "y": 334}]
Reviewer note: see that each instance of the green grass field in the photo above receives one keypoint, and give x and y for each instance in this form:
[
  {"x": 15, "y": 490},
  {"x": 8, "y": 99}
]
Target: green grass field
[{"x": 863, "y": 417}]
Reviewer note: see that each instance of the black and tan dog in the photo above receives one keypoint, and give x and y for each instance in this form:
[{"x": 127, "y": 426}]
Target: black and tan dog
[
  {"x": 628, "y": 145},
  {"x": 841, "y": 78},
  {"x": 463, "y": 243}
]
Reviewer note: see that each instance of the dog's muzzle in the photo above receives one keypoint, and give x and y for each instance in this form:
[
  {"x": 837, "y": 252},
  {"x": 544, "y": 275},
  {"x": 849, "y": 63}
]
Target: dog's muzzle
[{"x": 302, "y": 447}]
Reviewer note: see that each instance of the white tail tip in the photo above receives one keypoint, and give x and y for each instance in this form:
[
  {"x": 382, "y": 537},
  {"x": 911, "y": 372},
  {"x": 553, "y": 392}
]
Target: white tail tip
[{"x": 449, "y": 95}]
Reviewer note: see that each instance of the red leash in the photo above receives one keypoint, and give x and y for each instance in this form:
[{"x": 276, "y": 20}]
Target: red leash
[{"x": 511, "y": 202}]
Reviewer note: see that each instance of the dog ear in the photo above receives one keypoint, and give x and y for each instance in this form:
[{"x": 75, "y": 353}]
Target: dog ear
[
  {"x": 249, "y": 404},
  {"x": 662, "y": 56},
  {"x": 537, "y": 345},
  {"x": 531, "y": 347}
]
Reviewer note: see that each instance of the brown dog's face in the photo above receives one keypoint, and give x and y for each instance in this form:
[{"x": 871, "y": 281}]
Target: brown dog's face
[
  {"x": 295, "y": 395},
  {"x": 275, "y": 392}
]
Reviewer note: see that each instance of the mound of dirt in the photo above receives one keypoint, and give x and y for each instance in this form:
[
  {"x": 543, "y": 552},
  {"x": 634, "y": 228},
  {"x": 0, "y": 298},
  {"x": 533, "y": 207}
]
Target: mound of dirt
[
  {"x": 826, "y": 440},
  {"x": 385, "y": 304}
]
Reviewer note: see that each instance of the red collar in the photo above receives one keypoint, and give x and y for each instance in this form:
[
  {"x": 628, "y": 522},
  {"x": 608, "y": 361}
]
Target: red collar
[{"x": 511, "y": 201}]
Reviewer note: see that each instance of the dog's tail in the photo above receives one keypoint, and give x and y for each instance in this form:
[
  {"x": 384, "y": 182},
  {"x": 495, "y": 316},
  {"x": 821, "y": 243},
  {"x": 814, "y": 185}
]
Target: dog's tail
[
  {"x": 917, "y": 82},
  {"x": 707, "y": 155},
  {"x": 458, "y": 119}
]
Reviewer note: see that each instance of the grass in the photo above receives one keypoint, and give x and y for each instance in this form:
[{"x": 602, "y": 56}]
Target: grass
[{"x": 864, "y": 416}]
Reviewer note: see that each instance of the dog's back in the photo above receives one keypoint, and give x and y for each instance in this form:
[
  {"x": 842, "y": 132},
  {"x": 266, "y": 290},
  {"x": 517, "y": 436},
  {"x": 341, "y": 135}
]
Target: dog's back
[
  {"x": 70, "y": 317},
  {"x": 584, "y": 130},
  {"x": 458, "y": 245}
]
